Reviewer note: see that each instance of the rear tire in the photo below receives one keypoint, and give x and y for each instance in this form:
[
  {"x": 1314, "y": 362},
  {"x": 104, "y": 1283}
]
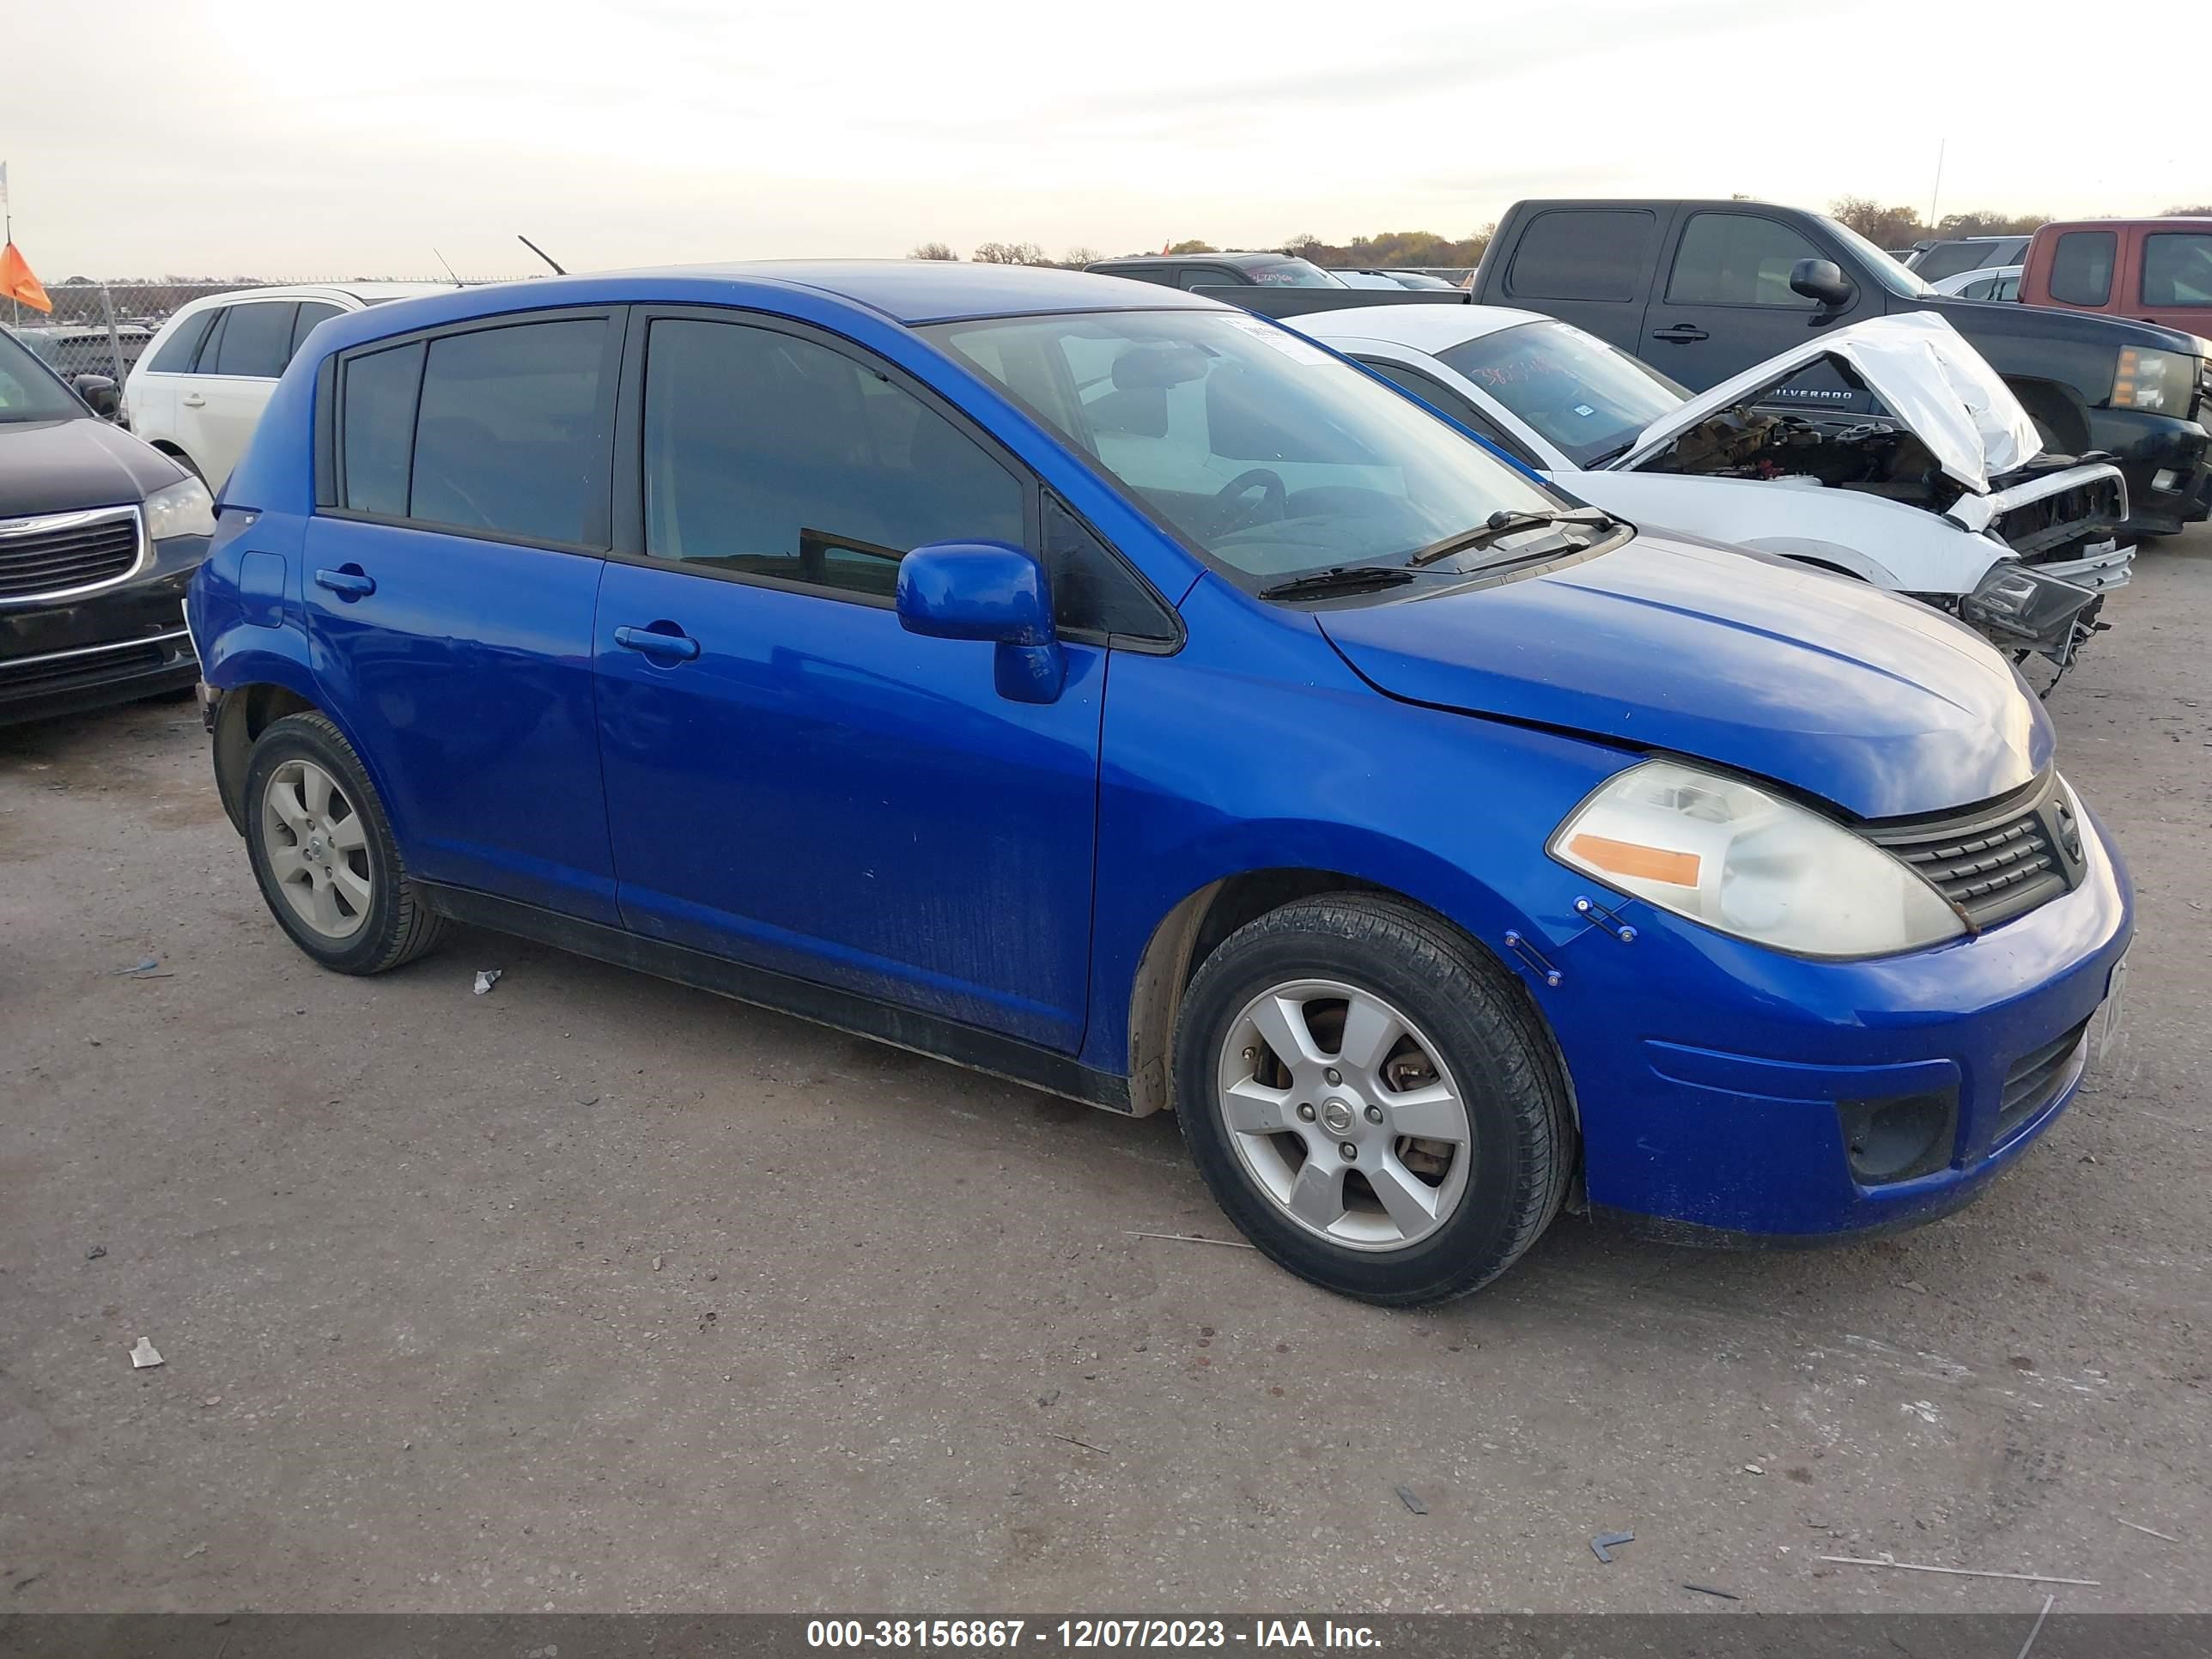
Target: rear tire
[
  {"x": 322, "y": 849},
  {"x": 1417, "y": 1142}
]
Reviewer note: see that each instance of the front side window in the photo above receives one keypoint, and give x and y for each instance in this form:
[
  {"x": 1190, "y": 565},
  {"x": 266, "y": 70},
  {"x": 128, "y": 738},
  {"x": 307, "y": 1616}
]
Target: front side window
[
  {"x": 27, "y": 391},
  {"x": 1588, "y": 399},
  {"x": 2176, "y": 268},
  {"x": 177, "y": 352},
  {"x": 1737, "y": 259},
  {"x": 256, "y": 341},
  {"x": 2081, "y": 267},
  {"x": 768, "y": 455},
  {"x": 1264, "y": 453}
]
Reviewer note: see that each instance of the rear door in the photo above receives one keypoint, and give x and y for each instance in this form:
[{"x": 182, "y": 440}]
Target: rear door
[
  {"x": 2172, "y": 278},
  {"x": 451, "y": 572},
  {"x": 793, "y": 781},
  {"x": 1590, "y": 266},
  {"x": 1725, "y": 303}
]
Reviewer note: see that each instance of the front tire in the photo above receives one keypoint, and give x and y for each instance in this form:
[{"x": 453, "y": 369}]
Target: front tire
[
  {"x": 322, "y": 850},
  {"x": 1372, "y": 1100}
]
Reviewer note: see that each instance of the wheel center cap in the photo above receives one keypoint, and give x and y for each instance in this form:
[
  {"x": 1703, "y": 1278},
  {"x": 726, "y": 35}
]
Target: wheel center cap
[
  {"x": 314, "y": 849},
  {"x": 1337, "y": 1117}
]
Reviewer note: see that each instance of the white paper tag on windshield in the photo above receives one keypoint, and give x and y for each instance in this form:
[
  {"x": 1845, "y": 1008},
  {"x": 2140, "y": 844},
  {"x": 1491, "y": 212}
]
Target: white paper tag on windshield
[{"x": 1296, "y": 349}]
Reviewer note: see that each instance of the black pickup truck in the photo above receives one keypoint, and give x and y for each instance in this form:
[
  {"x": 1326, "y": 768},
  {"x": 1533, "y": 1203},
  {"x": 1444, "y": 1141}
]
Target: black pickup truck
[{"x": 1701, "y": 289}]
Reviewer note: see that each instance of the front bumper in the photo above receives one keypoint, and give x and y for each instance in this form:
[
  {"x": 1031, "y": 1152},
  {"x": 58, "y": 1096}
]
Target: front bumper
[
  {"x": 112, "y": 646},
  {"x": 2164, "y": 461},
  {"x": 1712, "y": 1076}
]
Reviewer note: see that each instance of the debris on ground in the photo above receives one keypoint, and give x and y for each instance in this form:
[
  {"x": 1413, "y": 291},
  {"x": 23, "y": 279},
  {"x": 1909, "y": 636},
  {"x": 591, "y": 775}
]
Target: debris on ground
[
  {"x": 1954, "y": 1573},
  {"x": 151, "y": 968},
  {"x": 487, "y": 977},
  {"x": 2151, "y": 1531},
  {"x": 96, "y": 1253},
  {"x": 144, "y": 1354},
  {"x": 1605, "y": 1543},
  {"x": 1193, "y": 1238},
  {"x": 1707, "y": 1589},
  {"x": 1406, "y": 1497},
  {"x": 1754, "y": 1468},
  {"x": 1085, "y": 1444}
]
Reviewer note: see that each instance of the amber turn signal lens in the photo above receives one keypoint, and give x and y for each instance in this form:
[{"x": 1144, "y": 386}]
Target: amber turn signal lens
[{"x": 1626, "y": 858}]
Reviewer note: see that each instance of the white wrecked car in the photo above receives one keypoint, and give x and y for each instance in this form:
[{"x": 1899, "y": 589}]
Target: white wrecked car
[{"x": 1948, "y": 499}]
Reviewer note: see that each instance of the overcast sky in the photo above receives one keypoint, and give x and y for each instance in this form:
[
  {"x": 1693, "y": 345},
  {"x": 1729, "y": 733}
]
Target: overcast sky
[{"x": 274, "y": 138}]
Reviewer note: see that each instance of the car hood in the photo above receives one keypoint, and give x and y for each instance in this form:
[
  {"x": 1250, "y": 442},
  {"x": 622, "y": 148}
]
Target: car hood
[
  {"x": 1884, "y": 707},
  {"x": 59, "y": 466},
  {"x": 1941, "y": 388}
]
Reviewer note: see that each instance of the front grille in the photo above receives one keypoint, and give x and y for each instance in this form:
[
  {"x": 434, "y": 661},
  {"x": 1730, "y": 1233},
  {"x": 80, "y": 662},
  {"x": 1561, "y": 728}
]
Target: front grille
[
  {"x": 2035, "y": 1079},
  {"x": 88, "y": 667},
  {"x": 66, "y": 552},
  {"x": 2050, "y": 527},
  {"x": 1997, "y": 860}
]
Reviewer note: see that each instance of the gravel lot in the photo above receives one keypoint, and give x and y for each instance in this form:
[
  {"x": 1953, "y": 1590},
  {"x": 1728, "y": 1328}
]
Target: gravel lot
[{"x": 598, "y": 1293}]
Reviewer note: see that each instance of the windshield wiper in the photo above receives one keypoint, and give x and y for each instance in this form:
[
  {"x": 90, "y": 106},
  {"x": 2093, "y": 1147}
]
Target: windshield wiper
[
  {"x": 1503, "y": 522},
  {"x": 1338, "y": 578}
]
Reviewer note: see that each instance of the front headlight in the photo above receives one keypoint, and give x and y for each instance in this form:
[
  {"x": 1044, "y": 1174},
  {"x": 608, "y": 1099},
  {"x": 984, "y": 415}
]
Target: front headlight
[
  {"x": 2153, "y": 380},
  {"x": 1723, "y": 853},
  {"x": 184, "y": 508}
]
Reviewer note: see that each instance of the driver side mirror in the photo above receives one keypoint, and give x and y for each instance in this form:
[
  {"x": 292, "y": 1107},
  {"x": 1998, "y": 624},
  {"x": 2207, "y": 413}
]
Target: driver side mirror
[
  {"x": 102, "y": 394},
  {"x": 988, "y": 591},
  {"x": 1822, "y": 280}
]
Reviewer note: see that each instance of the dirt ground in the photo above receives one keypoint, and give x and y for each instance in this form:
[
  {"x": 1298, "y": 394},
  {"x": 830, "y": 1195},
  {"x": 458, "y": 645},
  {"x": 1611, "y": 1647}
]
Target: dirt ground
[{"x": 597, "y": 1293}]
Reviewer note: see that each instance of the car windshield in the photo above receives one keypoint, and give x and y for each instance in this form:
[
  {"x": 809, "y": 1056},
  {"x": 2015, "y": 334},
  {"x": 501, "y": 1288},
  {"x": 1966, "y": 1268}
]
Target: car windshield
[
  {"x": 1266, "y": 455},
  {"x": 1291, "y": 273},
  {"x": 1588, "y": 398},
  {"x": 27, "y": 391},
  {"x": 1890, "y": 273}
]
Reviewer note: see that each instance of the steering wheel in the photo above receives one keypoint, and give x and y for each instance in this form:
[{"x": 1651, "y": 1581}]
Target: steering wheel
[{"x": 1274, "y": 503}]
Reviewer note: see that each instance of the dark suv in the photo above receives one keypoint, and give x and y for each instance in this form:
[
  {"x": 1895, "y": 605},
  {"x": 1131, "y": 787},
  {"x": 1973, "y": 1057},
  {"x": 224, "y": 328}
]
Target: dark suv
[
  {"x": 98, "y": 534},
  {"x": 1214, "y": 270}
]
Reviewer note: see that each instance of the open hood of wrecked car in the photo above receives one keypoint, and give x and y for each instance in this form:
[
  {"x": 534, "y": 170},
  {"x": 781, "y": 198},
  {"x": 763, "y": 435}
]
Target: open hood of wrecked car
[{"x": 1939, "y": 387}]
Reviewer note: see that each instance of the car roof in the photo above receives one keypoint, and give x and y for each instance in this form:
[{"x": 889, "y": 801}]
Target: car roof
[
  {"x": 1426, "y": 328},
  {"x": 2166, "y": 221},
  {"x": 366, "y": 293},
  {"x": 1223, "y": 256},
  {"x": 908, "y": 291}
]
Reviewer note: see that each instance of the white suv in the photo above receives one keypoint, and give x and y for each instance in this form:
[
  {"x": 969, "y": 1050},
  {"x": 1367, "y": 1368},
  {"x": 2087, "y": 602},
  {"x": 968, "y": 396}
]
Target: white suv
[{"x": 197, "y": 390}]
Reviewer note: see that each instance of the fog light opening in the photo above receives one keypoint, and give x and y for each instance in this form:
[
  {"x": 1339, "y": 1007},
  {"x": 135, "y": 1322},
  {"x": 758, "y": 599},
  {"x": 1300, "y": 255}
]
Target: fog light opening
[{"x": 1899, "y": 1137}]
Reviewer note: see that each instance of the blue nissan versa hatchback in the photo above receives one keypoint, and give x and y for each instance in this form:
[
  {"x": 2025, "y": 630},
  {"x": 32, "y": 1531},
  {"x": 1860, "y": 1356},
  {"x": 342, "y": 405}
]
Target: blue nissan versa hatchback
[{"x": 1099, "y": 686}]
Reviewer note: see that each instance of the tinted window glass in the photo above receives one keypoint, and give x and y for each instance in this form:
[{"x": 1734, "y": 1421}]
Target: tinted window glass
[
  {"x": 2008, "y": 287},
  {"x": 2177, "y": 268},
  {"x": 512, "y": 436},
  {"x": 175, "y": 356},
  {"x": 1191, "y": 276},
  {"x": 256, "y": 340},
  {"x": 310, "y": 314},
  {"x": 1091, "y": 588},
  {"x": 378, "y": 428},
  {"x": 1587, "y": 397},
  {"x": 1583, "y": 254},
  {"x": 1736, "y": 259},
  {"x": 2081, "y": 267},
  {"x": 1949, "y": 258},
  {"x": 769, "y": 455}
]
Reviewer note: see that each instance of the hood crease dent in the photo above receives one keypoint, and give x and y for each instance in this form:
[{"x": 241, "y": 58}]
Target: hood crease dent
[{"x": 1921, "y": 368}]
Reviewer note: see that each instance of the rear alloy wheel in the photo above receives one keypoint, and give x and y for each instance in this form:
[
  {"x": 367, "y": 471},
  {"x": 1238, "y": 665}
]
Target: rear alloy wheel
[
  {"x": 1372, "y": 1099},
  {"x": 324, "y": 853}
]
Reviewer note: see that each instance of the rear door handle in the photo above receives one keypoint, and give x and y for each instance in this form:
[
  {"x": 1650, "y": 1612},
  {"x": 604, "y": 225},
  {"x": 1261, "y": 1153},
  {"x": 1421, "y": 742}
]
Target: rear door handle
[
  {"x": 1680, "y": 334},
  {"x": 682, "y": 647},
  {"x": 348, "y": 583},
  {"x": 193, "y": 400}
]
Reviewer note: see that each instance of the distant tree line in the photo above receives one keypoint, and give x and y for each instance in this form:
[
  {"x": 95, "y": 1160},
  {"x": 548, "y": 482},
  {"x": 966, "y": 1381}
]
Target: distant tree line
[{"x": 1901, "y": 227}]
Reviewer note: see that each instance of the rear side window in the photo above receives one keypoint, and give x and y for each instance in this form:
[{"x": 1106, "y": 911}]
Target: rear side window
[
  {"x": 1737, "y": 259},
  {"x": 2081, "y": 267},
  {"x": 255, "y": 340},
  {"x": 2177, "y": 268},
  {"x": 1582, "y": 253},
  {"x": 510, "y": 437},
  {"x": 377, "y": 431},
  {"x": 310, "y": 312},
  {"x": 177, "y": 352},
  {"x": 770, "y": 455}
]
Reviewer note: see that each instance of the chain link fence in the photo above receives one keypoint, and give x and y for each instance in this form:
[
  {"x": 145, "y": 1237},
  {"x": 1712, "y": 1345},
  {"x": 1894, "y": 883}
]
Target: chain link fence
[{"x": 105, "y": 327}]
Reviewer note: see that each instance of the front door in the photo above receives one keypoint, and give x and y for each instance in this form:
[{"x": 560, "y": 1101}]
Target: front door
[
  {"x": 1725, "y": 303},
  {"x": 449, "y": 593},
  {"x": 792, "y": 780}
]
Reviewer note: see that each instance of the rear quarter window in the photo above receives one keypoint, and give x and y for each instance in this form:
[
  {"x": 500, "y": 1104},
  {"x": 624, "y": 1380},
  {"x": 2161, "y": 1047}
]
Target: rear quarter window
[
  {"x": 177, "y": 352},
  {"x": 1582, "y": 253}
]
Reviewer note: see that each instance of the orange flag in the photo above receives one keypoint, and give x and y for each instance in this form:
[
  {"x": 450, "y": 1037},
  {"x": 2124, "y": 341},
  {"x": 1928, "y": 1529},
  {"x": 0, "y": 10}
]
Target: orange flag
[{"x": 16, "y": 281}]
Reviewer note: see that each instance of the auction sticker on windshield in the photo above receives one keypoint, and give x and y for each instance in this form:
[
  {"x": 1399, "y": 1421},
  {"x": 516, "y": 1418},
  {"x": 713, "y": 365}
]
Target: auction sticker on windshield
[{"x": 1298, "y": 350}]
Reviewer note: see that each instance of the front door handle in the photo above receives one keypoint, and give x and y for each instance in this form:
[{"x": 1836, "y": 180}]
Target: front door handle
[
  {"x": 1681, "y": 334},
  {"x": 348, "y": 583},
  {"x": 679, "y": 648},
  {"x": 193, "y": 400}
]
